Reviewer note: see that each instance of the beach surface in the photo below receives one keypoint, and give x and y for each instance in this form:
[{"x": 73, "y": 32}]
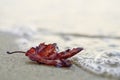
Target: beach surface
[{"x": 19, "y": 67}]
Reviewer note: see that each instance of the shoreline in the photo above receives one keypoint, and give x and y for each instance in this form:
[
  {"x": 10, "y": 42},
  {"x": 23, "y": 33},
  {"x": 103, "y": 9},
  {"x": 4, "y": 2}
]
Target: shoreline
[{"x": 19, "y": 67}]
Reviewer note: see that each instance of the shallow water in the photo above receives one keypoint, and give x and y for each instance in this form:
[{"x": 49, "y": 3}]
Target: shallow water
[{"x": 78, "y": 16}]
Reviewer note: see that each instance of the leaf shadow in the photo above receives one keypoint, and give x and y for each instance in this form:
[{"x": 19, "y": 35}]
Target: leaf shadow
[{"x": 44, "y": 65}]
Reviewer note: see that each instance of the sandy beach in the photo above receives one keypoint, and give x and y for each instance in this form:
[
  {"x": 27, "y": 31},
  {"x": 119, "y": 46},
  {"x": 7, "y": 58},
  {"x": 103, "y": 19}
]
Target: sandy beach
[{"x": 18, "y": 66}]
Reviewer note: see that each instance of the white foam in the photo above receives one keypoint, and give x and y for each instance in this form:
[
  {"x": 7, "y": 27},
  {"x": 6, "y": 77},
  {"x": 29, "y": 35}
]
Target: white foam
[{"x": 105, "y": 62}]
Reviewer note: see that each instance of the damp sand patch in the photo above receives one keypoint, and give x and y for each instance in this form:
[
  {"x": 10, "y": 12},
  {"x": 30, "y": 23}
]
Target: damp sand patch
[
  {"x": 93, "y": 47},
  {"x": 19, "y": 67}
]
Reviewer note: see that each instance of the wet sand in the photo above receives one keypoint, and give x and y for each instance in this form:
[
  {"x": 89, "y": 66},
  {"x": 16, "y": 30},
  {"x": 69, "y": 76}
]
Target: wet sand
[{"x": 19, "y": 67}]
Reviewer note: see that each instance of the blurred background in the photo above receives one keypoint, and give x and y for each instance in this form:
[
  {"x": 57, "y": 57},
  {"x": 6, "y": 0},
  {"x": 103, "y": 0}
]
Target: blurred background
[{"x": 74, "y": 16}]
